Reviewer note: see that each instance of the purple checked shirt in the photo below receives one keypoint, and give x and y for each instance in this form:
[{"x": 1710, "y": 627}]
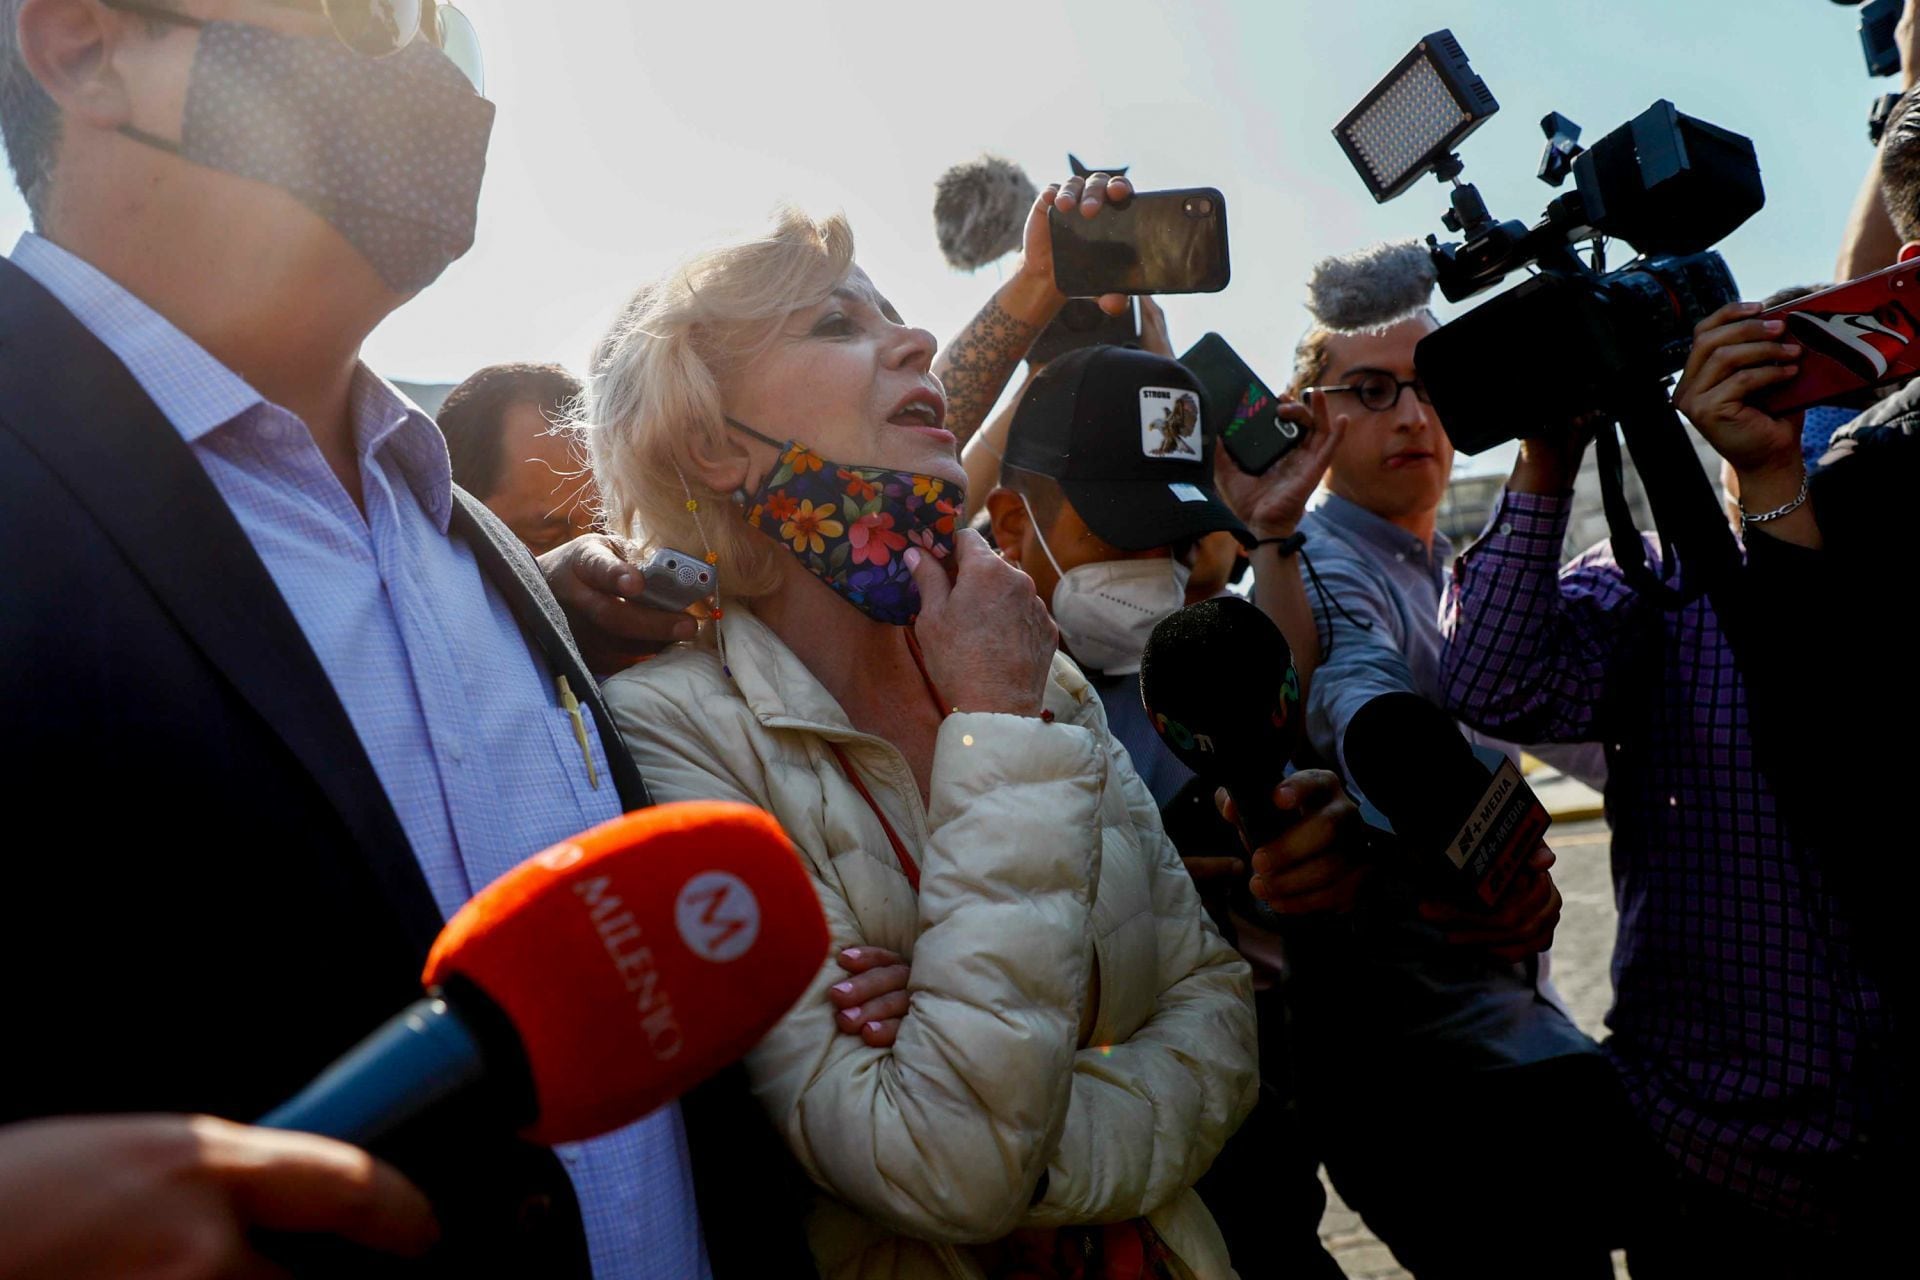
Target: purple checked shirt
[{"x": 1742, "y": 1021}]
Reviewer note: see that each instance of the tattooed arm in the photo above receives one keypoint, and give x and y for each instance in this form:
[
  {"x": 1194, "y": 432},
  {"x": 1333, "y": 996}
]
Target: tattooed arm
[{"x": 976, "y": 365}]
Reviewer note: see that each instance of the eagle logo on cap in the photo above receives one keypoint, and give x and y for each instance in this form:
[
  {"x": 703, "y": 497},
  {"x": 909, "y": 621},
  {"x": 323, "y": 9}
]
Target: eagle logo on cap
[{"x": 1170, "y": 423}]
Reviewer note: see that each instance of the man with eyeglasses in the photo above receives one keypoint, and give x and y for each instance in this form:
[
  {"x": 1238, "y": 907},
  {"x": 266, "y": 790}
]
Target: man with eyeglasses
[
  {"x": 277, "y": 696},
  {"x": 1437, "y": 1075}
]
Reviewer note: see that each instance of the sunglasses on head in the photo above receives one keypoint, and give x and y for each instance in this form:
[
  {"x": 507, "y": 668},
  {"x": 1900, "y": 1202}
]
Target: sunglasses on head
[{"x": 373, "y": 28}]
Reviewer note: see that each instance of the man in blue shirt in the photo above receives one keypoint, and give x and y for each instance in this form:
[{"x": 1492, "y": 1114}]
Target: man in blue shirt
[
  {"x": 303, "y": 695},
  {"x": 1409, "y": 1043}
]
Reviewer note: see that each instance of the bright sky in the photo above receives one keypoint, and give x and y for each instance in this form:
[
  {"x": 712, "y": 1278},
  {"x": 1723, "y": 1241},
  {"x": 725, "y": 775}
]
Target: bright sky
[{"x": 631, "y": 130}]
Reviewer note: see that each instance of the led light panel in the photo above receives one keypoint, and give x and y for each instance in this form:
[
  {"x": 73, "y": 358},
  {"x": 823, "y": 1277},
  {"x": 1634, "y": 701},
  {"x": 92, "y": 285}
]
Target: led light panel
[{"x": 1415, "y": 117}]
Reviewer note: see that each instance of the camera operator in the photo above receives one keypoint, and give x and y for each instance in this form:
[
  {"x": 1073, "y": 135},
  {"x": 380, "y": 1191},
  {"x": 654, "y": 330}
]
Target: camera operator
[{"x": 1750, "y": 1030}]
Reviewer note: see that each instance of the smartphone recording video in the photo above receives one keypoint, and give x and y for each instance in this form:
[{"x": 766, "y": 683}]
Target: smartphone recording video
[{"x": 1158, "y": 242}]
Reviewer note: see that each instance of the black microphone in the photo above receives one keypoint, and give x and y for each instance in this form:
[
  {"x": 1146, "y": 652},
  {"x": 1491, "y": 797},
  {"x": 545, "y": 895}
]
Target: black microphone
[
  {"x": 1218, "y": 683},
  {"x": 1470, "y": 829}
]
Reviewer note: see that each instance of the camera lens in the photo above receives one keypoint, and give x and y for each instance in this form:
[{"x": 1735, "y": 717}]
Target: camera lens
[{"x": 1198, "y": 206}]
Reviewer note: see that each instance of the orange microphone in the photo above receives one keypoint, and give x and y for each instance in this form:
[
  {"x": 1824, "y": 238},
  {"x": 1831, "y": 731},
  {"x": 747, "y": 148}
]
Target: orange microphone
[{"x": 593, "y": 982}]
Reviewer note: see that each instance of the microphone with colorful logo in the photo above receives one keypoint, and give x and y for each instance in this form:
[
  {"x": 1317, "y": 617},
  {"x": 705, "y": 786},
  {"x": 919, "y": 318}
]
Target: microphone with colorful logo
[
  {"x": 1218, "y": 682},
  {"x": 592, "y": 983}
]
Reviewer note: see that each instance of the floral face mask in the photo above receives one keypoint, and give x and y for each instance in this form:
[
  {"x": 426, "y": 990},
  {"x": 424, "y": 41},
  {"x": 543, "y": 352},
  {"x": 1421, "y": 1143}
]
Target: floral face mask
[{"x": 851, "y": 525}]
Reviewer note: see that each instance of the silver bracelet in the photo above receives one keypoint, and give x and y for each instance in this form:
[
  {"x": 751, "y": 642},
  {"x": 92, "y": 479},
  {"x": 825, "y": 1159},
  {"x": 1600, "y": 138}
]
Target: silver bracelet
[{"x": 1748, "y": 521}]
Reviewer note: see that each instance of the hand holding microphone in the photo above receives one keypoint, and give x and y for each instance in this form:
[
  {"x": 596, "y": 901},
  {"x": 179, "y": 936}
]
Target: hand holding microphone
[
  {"x": 1519, "y": 925},
  {"x": 1306, "y": 868},
  {"x": 1218, "y": 683},
  {"x": 584, "y": 988}
]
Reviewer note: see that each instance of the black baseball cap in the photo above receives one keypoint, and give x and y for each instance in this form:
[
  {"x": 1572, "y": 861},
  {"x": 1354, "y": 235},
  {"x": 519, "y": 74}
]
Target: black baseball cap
[{"x": 1125, "y": 434}]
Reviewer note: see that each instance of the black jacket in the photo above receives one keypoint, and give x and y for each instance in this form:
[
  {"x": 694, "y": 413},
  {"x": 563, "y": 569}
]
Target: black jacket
[{"x": 208, "y": 896}]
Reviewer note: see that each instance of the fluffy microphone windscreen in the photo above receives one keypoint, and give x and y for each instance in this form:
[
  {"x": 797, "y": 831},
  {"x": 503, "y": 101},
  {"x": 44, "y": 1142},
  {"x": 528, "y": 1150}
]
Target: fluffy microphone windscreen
[
  {"x": 1410, "y": 759},
  {"x": 1218, "y": 682},
  {"x": 1373, "y": 289},
  {"x": 980, "y": 210},
  {"x": 639, "y": 957}
]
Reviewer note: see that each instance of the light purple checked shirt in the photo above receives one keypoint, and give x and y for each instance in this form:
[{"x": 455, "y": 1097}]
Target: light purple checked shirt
[
  {"x": 457, "y": 713},
  {"x": 1742, "y": 1022}
]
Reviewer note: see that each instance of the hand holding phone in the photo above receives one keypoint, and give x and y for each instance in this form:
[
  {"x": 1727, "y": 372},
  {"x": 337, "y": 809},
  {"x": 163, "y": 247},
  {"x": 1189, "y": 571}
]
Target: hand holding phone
[
  {"x": 1272, "y": 504},
  {"x": 1241, "y": 410},
  {"x": 1857, "y": 336},
  {"x": 1738, "y": 355}
]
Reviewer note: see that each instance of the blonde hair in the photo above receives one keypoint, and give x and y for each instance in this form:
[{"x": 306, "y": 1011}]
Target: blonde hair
[{"x": 653, "y": 394}]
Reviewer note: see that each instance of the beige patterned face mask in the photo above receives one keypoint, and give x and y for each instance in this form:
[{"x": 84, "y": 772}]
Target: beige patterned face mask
[{"x": 390, "y": 151}]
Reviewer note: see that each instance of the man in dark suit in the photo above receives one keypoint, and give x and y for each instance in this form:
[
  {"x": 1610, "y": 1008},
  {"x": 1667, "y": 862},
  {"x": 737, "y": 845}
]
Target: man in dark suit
[{"x": 276, "y": 697}]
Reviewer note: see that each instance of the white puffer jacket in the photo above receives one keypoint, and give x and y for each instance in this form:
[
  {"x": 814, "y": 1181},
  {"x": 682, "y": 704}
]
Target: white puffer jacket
[{"x": 940, "y": 1142}]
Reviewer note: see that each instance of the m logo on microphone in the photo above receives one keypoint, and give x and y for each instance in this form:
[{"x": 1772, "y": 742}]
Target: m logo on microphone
[{"x": 717, "y": 916}]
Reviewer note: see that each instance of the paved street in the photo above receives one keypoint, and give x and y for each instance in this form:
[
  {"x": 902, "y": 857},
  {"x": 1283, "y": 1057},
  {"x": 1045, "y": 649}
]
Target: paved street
[{"x": 1583, "y": 945}]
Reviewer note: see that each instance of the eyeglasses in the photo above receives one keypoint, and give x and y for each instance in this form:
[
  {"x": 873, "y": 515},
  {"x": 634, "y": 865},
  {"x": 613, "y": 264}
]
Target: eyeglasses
[
  {"x": 1380, "y": 391},
  {"x": 372, "y": 28}
]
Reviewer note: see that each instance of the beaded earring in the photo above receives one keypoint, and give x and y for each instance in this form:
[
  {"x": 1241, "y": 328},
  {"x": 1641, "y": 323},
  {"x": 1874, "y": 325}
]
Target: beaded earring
[{"x": 712, "y": 556}]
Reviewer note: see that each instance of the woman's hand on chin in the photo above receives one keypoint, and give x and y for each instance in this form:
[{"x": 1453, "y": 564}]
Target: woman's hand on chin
[{"x": 988, "y": 640}]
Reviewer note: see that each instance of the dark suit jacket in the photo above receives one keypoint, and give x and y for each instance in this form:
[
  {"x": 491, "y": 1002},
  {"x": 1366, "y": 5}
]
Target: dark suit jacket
[{"x": 208, "y": 896}]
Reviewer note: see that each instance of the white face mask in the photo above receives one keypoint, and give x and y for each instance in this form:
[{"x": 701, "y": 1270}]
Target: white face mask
[{"x": 1106, "y": 610}]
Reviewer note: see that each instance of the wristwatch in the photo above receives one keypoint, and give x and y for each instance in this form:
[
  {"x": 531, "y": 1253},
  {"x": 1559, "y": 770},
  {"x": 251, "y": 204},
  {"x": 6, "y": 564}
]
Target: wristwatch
[{"x": 1879, "y": 114}]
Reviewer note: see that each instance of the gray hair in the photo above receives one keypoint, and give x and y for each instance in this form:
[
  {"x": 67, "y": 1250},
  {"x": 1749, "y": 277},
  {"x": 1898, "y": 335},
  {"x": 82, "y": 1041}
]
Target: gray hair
[{"x": 29, "y": 120}]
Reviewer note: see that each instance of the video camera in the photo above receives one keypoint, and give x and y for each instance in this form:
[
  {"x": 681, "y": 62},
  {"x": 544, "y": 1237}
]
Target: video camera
[
  {"x": 1562, "y": 344},
  {"x": 1574, "y": 341}
]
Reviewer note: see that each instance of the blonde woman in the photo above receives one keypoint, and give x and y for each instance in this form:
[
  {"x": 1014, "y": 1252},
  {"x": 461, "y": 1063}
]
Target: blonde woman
[{"x": 1080, "y": 1040}]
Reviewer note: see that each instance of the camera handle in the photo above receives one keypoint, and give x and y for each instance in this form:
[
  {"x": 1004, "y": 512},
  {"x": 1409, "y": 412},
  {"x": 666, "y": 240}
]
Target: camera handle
[
  {"x": 1693, "y": 528},
  {"x": 1685, "y": 513}
]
